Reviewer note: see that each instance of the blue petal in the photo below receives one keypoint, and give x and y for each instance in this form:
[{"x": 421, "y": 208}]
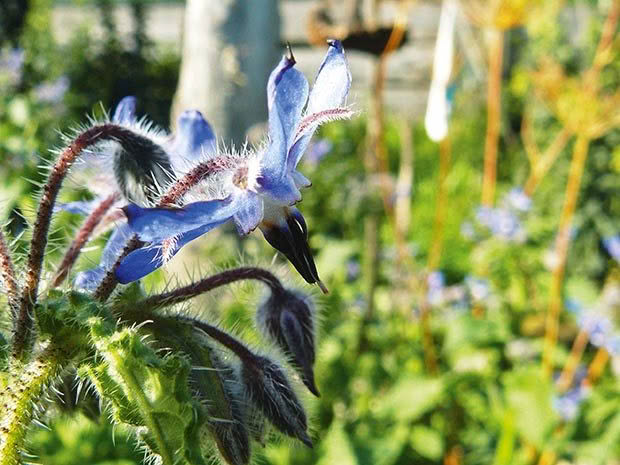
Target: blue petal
[
  {"x": 250, "y": 213},
  {"x": 157, "y": 224},
  {"x": 330, "y": 90},
  {"x": 332, "y": 82},
  {"x": 115, "y": 245},
  {"x": 80, "y": 207},
  {"x": 144, "y": 261},
  {"x": 282, "y": 192},
  {"x": 194, "y": 138},
  {"x": 301, "y": 182},
  {"x": 125, "y": 112},
  {"x": 89, "y": 280},
  {"x": 287, "y": 95}
]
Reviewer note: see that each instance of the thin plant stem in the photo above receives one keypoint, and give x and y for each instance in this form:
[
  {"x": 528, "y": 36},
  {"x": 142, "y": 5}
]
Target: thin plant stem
[
  {"x": 38, "y": 243},
  {"x": 445, "y": 153},
  {"x": 8, "y": 276},
  {"x": 580, "y": 152},
  {"x": 404, "y": 186},
  {"x": 568, "y": 373},
  {"x": 208, "y": 284},
  {"x": 494, "y": 88},
  {"x": 82, "y": 237},
  {"x": 597, "y": 365},
  {"x": 543, "y": 164},
  {"x": 240, "y": 350}
]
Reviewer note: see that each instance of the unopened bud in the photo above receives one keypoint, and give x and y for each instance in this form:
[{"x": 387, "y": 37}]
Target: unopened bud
[
  {"x": 288, "y": 318},
  {"x": 269, "y": 390}
]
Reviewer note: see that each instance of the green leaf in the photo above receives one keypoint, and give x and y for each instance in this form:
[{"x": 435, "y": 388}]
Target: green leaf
[
  {"x": 529, "y": 395},
  {"x": 410, "y": 398},
  {"x": 427, "y": 442},
  {"x": 337, "y": 447}
]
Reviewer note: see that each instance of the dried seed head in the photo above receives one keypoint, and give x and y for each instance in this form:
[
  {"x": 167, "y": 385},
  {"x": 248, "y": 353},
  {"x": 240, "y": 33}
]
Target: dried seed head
[
  {"x": 288, "y": 318},
  {"x": 269, "y": 390}
]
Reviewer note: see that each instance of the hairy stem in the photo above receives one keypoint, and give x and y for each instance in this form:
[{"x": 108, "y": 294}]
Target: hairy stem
[
  {"x": 109, "y": 281},
  {"x": 82, "y": 236},
  {"x": 24, "y": 389},
  {"x": 236, "y": 346},
  {"x": 22, "y": 337},
  {"x": 494, "y": 88},
  {"x": 207, "y": 284},
  {"x": 580, "y": 152},
  {"x": 136, "y": 391},
  {"x": 8, "y": 277}
]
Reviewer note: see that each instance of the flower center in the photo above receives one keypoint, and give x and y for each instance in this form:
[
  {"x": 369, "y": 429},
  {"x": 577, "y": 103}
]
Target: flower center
[{"x": 240, "y": 178}]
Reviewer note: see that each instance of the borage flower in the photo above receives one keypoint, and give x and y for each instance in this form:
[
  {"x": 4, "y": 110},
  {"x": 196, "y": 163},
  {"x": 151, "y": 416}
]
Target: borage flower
[{"x": 259, "y": 188}]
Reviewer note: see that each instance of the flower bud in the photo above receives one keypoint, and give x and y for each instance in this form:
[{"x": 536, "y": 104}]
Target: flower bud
[
  {"x": 288, "y": 318},
  {"x": 269, "y": 390},
  {"x": 141, "y": 167}
]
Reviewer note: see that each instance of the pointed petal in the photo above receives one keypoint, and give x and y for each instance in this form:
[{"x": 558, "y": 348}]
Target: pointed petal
[
  {"x": 285, "y": 230},
  {"x": 282, "y": 192},
  {"x": 287, "y": 95},
  {"x": 329, "y": 91},
  {"x": 332, "y": 82},
  {"x": 115, "y": 245},
  {"x": 157, "y": 224},
  {"x": 88, "y": 280},
  {"x": 301, "y": 182},
  {"x": 194, "y": 138},
  {"x": 249, "y": 214},
  {"x": 79, "y": 207},
  {"x": 125, "y": 112},
  {"x": 144, "y": 261}
]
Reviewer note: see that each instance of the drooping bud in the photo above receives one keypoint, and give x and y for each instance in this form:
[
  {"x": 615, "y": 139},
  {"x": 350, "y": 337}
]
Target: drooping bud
[
  {"x": 288, "y": 317},
  {"x": 269, "y": 390},
  {"x": 142, "y": 168}
]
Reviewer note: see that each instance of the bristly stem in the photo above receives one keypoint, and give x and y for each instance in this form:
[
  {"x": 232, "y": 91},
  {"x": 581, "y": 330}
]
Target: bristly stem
[
  {"x": 82, "y": 236},
  {"x": 236, "y": 346},
  {"x": 580, "y": 152},
  {"x": 109, "y": 281},
  {"x": 8, "y": 276},
  {"x": 207, "y": 284},
  {"x": 184, "y": 184},
  {"x": 494, "y": 89},
  {"x": 24, "y": 388},
  {"x": 39, "y": 239}
]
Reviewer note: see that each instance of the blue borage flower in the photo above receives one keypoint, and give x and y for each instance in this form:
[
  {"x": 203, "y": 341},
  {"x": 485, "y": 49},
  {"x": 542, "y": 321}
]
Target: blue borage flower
[
  {"x": 193, "y": 140},
  {"x": 262, "y": 186}
]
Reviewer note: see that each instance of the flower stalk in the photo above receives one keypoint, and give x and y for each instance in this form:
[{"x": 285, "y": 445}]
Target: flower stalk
[
  {"x": 22, "y": 337},
  {"x": 580, "y": 152},
  {"x": 494, "y": 89},
  {"x": 8, "y": 276},
  {"x": 82, "y": 237}
]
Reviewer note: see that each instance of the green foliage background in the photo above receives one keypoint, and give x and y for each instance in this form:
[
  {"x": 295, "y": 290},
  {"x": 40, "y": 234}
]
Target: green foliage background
[{"x": 490, "y": 402}]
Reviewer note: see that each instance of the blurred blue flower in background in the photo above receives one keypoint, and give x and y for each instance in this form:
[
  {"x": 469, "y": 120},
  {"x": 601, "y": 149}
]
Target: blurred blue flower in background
[
  {"x": 612, "y": 244},
  {"x": 52, "y": 92}
]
